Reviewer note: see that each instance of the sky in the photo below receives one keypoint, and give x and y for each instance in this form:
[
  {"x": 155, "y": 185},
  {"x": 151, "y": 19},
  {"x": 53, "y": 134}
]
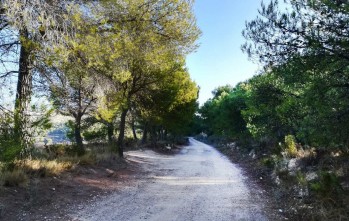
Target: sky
[{"x": 219, "y": 60}]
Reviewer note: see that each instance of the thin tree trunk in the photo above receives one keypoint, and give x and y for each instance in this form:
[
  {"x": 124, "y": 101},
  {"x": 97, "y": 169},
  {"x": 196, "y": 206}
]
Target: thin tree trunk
[
  {"x": 120, "y": 142},
  {"x": 165, "y": 134},
  {"x": 153, "y": 134},
  {"x": 134, "y": 129},
  {"x": 78, "y": 137},
  {"x": 145, "y": 134},
  {"x": 23, "y": 96},
  {"x": 161, "y": 133},
  {"x": 110, "y": 132}
]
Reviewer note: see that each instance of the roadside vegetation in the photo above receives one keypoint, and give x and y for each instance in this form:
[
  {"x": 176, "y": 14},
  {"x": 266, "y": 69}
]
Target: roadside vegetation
[
  {"x": 291, "y": 120},
  {"x": 116, "y": 69}
]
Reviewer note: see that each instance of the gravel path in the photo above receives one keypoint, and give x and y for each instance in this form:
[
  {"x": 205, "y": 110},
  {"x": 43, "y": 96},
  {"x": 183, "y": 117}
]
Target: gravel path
[{"x": 199, "y": 184}]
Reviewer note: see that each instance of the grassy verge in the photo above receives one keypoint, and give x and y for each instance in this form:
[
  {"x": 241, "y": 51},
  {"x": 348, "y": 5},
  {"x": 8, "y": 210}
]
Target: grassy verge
[{"x": 51, "y": 164}]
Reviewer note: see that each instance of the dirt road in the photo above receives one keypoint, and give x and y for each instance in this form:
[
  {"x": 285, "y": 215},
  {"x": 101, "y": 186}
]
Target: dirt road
[{"x": 199, "y": 184}]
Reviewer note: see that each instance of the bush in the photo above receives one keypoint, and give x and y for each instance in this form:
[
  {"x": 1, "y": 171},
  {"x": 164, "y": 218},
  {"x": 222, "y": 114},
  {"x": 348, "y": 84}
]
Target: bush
[
  {"x": 268, "y": 162},
  {"x": 290, "y": 145},
  {"x": 328, "y": 185},
  {"x": 10, "y": 146},
  {"x": 70, "y": 130},
  {"x": 10, "y": 149},
  {"x": 95, "y": 133}
]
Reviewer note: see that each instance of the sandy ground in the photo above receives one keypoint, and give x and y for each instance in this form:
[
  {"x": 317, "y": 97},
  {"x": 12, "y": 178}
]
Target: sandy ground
[{"x": 199, "y": 184}]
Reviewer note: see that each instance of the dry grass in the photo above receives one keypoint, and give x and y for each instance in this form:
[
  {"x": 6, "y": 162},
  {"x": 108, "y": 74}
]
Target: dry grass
[
  {"x": 87, "y": 159},
  {"x": 13, "y": 178},
  {"x": 22, "y": 169},
  {"x": 44, "y": 167},
  {"x": 306, "y": 153},
  {"x": 106, "y": 157}
]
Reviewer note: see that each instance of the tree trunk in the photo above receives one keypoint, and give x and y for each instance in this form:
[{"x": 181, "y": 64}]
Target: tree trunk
[
  {"x": 145, "y": 134},
  {"x": 134, "y": 129},
  {"x": 161, "y": 133},
  {"x": 78, "y": 137},
  {"x": 165, "y": 134},
  {"x": 153, "y": 135},
  {"x": 110, "y": 132},
  {"x": 120, "y": 142},
  {"x": 23, "y": 96}
]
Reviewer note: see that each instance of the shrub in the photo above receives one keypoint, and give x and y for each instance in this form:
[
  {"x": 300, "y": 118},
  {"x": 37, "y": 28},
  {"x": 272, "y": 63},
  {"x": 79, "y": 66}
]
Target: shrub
[
  {"x": 10, "y": 149},
  {"x": 290, "y": 145},
  {"x": 70, "y": 130},
  {"x": 268, "y": 162},
  {"x": 10, "y": 146},
  {"x": 301, "y": 179},
  {"x": 328, "y": 185},
  {"x": 95, "y": 133}
]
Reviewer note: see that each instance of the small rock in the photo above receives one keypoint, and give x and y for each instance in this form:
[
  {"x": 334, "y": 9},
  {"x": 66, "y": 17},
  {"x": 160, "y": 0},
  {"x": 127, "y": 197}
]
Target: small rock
[
  {"x": 53, "y": 189},
  {"x": 311, "y": 176},
  {"x": 277, "y": 180},
  {"x": 293, "y": 165},
  {"x": 280, "y": 210}
]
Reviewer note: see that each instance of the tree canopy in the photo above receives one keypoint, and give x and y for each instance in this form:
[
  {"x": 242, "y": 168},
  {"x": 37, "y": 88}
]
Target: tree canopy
[
  {"x": 302, "y": 90},
  {"x": 106, "y": 60}
]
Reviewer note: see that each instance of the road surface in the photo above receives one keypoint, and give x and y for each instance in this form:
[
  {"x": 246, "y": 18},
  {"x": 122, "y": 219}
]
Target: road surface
[{"x": 197, "y": 184}]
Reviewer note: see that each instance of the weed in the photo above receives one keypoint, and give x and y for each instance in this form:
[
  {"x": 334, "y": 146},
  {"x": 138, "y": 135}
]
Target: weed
[
  {"x": 301, "y": 178},
  {"x": 268, "y": 162}
]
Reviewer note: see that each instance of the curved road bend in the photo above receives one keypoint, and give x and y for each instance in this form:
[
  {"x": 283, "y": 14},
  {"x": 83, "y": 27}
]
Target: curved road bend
[{"x": 198, "y": 184}]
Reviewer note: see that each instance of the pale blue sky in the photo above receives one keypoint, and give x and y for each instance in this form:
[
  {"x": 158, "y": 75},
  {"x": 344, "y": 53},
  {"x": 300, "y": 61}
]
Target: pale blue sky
[{"x": 219, "y": 60}]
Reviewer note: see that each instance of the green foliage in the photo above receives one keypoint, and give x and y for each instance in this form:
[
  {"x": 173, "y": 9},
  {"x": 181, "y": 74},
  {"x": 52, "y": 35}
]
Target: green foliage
[
  {"x": 268, "y": 162},
  {"x": 170, "y": 104},
  {"x": 328, "y": 186},
  {"x": 70, "y": 130},
  {"x": 10, "y": 147},
  {"x": 307, "y": 28},
  {"x": 108, "y": 57},
  {"x": 301, "y": 179},
  {"x": 290, "y": 145},
  {"x": 222, "y": 115},
  {"x": 310, "y": 72},
  {"x": 95, "y": 133}
]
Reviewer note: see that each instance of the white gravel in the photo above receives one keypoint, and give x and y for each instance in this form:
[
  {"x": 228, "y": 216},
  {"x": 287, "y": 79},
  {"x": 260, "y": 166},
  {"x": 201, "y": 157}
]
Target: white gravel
[{"x": 198, "y": 184}]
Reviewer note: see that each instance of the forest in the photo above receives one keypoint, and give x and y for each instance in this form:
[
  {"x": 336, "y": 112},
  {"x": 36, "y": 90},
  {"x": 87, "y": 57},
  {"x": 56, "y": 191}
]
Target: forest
[
  {"x": 116, "y": 71},
  {"x": 296, "y": 110},
  {"x": 105, "y": 64}
]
